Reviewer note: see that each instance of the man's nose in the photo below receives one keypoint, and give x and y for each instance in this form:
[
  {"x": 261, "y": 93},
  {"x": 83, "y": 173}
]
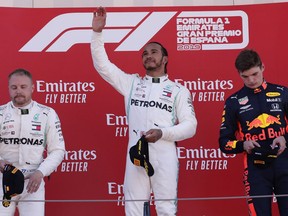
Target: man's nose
[
  {"x": 251, "y": 79},
  {"x": 18, "y": 91}
]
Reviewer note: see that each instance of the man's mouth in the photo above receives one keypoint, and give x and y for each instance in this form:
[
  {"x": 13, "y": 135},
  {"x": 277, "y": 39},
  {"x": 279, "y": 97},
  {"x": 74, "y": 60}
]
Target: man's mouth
[
  {"x": 19, "y": 96},
  {"x": 149, "y": 61}
]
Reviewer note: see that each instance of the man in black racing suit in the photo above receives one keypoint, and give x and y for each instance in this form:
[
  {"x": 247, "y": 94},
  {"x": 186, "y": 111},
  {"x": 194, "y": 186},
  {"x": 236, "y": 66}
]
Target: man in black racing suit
[{"x": 255, "y": 117}]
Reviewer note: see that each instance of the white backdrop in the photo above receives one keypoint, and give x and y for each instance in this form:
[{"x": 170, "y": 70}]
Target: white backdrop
[{"x": 125, "y": 3}]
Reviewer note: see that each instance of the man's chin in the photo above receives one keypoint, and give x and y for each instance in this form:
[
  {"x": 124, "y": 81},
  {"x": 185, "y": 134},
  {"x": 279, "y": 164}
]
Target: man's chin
[
  {"x": 19, "y": 103},
  {"x": 151, "y": 68}
]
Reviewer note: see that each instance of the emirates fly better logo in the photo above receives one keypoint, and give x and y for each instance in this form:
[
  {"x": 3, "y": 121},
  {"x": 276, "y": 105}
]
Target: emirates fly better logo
[{"x": 207, "y": 30}]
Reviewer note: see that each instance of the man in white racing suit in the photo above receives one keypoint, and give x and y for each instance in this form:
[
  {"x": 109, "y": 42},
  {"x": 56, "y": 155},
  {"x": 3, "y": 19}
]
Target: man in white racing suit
[
  {"x": 156, "y": 107},
  {"x": 27, "y": 131}
]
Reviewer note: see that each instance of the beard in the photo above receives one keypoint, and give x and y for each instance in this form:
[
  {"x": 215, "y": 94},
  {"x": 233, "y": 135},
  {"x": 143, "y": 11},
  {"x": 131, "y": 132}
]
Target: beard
[
  {"x": 19, "y": 100},
  {"x": 152, "y": 65}
]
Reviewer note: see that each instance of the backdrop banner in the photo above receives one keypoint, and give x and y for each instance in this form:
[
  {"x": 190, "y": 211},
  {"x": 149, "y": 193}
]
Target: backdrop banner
[{"x": 202, "y": 42}]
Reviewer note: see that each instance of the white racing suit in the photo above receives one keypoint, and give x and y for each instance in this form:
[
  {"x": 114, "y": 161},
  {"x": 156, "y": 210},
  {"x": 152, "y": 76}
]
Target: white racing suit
[
  {"x": 150, "y": 104},
  {"x": 24, "y": 137}
]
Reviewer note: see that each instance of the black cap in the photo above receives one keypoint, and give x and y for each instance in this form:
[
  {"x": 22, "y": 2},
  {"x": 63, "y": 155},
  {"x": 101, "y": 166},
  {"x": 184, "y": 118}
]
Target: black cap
[
  {"x": 13, "y": 183},
  {"x": 139, "y": 155},
  {"x": 263, "y": 157}
]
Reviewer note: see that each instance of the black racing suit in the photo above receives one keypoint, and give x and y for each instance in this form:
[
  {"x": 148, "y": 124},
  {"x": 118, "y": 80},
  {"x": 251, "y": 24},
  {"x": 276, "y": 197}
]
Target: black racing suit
[{"x": 261, "y": 115}]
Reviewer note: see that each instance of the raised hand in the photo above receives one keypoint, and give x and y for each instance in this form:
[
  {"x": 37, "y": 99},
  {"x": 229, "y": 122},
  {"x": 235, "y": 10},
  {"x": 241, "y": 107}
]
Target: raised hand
[{"x": 99, "y": 19}]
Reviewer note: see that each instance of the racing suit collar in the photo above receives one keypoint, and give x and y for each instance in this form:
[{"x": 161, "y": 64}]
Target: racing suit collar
[
  {"x": 156, "y": 79},
  {"x": 262, "y": 87},
  {"x": 20, "y": 109}
]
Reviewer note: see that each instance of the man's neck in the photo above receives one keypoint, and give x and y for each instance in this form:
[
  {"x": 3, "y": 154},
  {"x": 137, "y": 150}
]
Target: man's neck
[{"x": 155, "y": 73}]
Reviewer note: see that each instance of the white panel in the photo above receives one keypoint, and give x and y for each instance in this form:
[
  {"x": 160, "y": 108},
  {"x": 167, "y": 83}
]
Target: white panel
[
  {"x": 127, "y": 3},
  {"x": 244, "y": 2},
  {"x": 16, "y": 3},
  {"x": 110, "y": 3}
]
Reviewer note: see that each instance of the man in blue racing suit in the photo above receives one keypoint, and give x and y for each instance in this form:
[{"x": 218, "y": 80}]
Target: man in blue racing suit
[
  {"x": 157, "y": 108},
  {"x": 254, "y": 122}
]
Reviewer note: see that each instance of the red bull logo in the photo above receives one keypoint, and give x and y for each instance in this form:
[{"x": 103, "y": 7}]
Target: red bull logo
[
  {"x": 263, "y": 121},
  {"x": 231, "y": 145}
]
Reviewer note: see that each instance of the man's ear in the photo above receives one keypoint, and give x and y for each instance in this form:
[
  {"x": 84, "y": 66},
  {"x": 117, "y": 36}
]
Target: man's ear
[
  {"x": 263, "y": 67},
  {"x": 165, "y": 59}
]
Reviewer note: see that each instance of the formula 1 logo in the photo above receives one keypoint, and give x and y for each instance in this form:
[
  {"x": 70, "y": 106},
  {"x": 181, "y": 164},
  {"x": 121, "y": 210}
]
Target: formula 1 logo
[
  {"x": 206, "y": 30},
  {"x": 66, "y": 30}
]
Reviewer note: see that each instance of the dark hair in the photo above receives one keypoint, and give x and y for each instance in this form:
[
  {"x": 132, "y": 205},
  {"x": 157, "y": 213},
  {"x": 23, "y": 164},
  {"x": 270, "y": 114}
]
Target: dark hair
[
  {"x": 247, "y": 59},
  {"x": 163, "y": 51},
  {"x": 20, "y": 71}
]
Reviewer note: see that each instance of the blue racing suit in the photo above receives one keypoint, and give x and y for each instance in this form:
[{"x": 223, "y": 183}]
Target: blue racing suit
[{"x": 261, "y": 115}]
